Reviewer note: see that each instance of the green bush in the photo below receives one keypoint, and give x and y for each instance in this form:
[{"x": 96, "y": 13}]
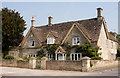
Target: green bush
[{"x": 9, "y": 57}]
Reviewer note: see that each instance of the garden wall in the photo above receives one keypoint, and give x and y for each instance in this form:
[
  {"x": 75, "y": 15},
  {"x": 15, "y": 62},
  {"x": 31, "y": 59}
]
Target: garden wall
[
  {"x": 84, "y": 65},
  {"x": 22, "y": 64},
  {"x": 64, "y": 65},
  {"x": 96, "y": 64}
]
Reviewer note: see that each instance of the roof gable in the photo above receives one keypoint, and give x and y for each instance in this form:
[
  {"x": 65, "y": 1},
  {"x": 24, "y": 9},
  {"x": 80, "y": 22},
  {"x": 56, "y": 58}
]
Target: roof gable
[
  {"x": 28, "y": 34},
  {"x": 61, "y": 49},
  {"x": 70, "y": 30},
  {"x": 52, "y": 34}
]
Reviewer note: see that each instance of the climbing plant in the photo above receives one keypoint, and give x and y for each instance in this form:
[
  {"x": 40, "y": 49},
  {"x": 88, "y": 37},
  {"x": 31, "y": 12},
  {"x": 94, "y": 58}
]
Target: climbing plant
[
  {"x": 88, "y": 50},
  {"x": 51, "y": 48}
]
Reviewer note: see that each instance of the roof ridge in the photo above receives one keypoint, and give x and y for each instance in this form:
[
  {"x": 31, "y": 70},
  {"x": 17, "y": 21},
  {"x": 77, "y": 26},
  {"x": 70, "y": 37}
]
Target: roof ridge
[{"x": 67, "y": 22}]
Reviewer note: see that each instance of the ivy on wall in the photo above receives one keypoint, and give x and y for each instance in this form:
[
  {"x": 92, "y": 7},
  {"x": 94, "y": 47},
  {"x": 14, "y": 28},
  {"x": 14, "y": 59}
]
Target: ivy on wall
[{"x": 85, "y": 49}]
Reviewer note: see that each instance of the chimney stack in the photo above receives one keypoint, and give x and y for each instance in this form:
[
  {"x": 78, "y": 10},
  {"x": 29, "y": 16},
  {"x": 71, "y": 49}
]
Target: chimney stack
[
  {"x": 33, "y": 22},
  {"x": 50, "y": 20},
  {"x": 99, "y": 13}
]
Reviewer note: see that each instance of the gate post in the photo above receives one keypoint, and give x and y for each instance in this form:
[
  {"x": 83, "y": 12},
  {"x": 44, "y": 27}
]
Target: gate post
[
  {"x": 43, "y": 62},
  {"x": 85, "y": 64},
  {"x": 32, "y": 63}
]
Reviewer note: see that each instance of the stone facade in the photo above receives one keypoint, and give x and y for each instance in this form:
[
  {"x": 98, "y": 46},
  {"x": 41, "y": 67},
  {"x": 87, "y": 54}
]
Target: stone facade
[
  {"x": 27, "y": 50},
  {"x": 108, "y": 48},
  {"x": 76, "y": 33},
  {"x": 90, "y": 30}
]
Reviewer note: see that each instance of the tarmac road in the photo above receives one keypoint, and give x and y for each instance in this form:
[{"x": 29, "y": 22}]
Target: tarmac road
[{"x": 10, "y": 71}]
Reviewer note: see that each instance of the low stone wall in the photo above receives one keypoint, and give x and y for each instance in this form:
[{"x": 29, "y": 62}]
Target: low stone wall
[
  {"x": 9, "y": 63},
  {"x": 64, "y": 65},
  {"x": 84, "y": 65},
  {"x": 22, "y": 64},
  {"x": 96, "y": 64}
]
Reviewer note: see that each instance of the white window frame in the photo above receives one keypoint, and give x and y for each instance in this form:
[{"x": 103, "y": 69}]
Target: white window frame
[
  {"x": 78, "y": 55},
  {"x": 75, "y": 41},
  {"x": 50, "y": 40}
]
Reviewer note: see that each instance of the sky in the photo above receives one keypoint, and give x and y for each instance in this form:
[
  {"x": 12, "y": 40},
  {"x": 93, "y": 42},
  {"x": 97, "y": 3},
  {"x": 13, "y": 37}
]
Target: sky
[{"x": 64, "y": 12}]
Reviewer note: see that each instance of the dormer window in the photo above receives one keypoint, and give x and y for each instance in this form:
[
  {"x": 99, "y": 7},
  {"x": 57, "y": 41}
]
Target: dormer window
[
  {"x": 76, "y": 41},
  {"x": 32, "y": 43},
  {"x": 50, "y": 40}
]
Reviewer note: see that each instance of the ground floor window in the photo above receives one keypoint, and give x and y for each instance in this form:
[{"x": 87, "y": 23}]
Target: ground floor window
[
  {"x": 50, "y": 56},
  {"x": 75, "y": 56},
  {"x": 32, "y": 55}
]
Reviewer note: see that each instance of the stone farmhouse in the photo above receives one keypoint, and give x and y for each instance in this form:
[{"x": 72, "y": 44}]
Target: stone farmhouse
[{"x": 93, "y": 30}]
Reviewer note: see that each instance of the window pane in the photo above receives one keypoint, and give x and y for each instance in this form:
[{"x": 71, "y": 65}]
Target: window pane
[
  {"x": 50, "y": 40},
  {"x": 76, "y": 41}
]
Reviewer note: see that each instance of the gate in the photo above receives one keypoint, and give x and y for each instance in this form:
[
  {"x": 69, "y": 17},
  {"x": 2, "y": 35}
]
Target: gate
[{"x": 38, "y": 64}]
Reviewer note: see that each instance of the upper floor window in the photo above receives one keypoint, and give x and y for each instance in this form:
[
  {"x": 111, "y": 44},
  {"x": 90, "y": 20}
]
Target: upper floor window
[
  {"x": 31, "y": 35},
  {"x": 50, "y": 40},
  {"x": 76, "y": 41},
  {"x": 32, "y": 43}
]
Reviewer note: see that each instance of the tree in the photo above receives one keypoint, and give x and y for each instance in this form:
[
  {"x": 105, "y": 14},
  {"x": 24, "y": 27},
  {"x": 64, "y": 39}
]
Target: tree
[{"x": 13, "y": 26}]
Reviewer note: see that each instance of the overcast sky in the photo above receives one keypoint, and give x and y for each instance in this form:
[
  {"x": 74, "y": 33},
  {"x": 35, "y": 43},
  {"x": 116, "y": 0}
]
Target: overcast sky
[{"x": 65, "y": 11}]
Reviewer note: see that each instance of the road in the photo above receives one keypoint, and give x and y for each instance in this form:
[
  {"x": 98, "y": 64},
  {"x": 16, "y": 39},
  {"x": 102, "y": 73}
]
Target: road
[{"x": 10, "y": 71}]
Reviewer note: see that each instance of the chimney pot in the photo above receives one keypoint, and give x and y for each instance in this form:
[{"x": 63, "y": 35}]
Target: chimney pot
[
  {"x": 50, "y": 20},
  {"x": 33, "y": 22}
]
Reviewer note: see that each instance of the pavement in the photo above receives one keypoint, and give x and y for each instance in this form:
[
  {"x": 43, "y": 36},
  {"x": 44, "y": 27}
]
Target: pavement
[{"x": 11, "y": 71}]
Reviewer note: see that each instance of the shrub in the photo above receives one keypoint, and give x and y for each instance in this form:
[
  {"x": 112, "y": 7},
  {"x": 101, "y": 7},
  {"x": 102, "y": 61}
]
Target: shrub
[
  {"x": 25, "y": 58},
  {"x": 9, "y": 57},
  {"x": 19, "y": 59}
]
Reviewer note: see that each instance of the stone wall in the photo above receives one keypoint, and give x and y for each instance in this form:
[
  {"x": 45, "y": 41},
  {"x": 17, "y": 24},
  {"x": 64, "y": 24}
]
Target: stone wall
[
  {"x": 84, "y": 65},
  {"x": 64, "y": 65},
  {"x": 22, "y": 64},
  {"x": 96, "y": 64},
  {"x": 9, "y": 63}
]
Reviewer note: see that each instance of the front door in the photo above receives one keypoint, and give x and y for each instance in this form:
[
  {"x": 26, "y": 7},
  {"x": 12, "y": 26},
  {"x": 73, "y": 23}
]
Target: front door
[{"x": 60, "y": 57}]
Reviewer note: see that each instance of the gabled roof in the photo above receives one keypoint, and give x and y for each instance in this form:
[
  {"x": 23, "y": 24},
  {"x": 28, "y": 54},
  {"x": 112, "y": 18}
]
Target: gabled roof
[
  {"x": 61, "y": 49},
  {"x": 89, "y": 27}
]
